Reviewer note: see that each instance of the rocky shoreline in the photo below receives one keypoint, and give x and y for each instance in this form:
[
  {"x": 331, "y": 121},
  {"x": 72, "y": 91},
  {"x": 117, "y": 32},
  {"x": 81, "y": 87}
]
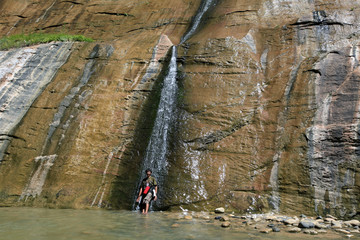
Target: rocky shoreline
[{"x": 271, "y": 222}]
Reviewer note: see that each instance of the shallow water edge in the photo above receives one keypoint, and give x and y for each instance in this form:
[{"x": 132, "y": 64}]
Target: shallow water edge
[{"x": 39, "y": 223}]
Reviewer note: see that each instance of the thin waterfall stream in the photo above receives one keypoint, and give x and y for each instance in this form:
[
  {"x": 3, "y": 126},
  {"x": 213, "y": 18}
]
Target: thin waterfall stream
[{"x": 156, "y": 151}]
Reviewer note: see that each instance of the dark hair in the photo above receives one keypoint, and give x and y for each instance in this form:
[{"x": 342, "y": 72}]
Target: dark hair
[{"x": 148, "y": 170}]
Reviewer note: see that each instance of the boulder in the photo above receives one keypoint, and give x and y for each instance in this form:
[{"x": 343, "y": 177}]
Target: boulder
[{"x": 219, "y": 210}]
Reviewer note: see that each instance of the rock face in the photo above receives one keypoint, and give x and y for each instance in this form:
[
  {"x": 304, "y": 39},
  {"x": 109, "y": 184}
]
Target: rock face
[{"x": 267, "y": 114}]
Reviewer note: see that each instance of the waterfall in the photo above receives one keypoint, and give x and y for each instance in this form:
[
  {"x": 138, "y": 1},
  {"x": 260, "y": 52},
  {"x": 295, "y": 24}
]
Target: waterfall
[
  {"x": 155, "y": 157},
  {"x": 204, "y": 6}
]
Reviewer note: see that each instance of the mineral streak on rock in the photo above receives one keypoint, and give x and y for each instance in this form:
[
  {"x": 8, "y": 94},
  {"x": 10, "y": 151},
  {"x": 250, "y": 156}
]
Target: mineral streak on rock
[
  {"x": 34, "y": 187},
  {"x": 24, "y": 75}
]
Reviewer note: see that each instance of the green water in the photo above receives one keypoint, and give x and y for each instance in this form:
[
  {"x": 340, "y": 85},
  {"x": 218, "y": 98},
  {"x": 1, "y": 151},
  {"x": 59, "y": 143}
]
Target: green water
[{"x": 38, "y": 224}]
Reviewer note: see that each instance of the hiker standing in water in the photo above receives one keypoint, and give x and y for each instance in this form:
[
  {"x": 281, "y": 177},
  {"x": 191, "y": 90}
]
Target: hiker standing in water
[{"x": 148, "y": 190}]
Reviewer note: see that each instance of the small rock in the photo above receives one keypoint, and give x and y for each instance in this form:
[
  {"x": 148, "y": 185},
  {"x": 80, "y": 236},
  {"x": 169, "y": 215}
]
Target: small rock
[
  {"x": 224, "y": 219},
  {"x": 295, "y": 230},
  {"x": 343, "y": 231},
  {"x": 302, "y": 216},
  {"x": 188, "y": 217},
  {"x": 276, "y": 229},
  {"x": 291, "y": 221},
  {"x": 175, "y": 225},
  {"x": 329, "y": 220},
  {"x": 257, "y": 219},
  {"x": 336, "y": 224},
  {"x": 311, "y": 232},
  {"x": 319, "y": 225},
  {"x": 271, "y": 225},
  {"x": 225, "y": 224},
  {"x": 205, "y": 217},
  {"x": 354, "y": 231},
  {"x": 353, "y": 222},
  {"x": 330, "y": 216},
  {"x": 306, "y": 224},
  {"x": 218, "y": 217},
  {"x": 349, "y": 236},
  {"x": 322, "y": 231},
  {"x": 271, "y": 218},
  {"x": 220, "y": 210},
  {"x": 265, "y": 230},
  {"x": 243, "y": 217},
  {"x": 319, "y": 217}
]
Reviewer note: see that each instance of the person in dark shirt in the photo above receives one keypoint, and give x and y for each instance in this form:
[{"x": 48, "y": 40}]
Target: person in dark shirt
[{"x": 148, "y": 191}]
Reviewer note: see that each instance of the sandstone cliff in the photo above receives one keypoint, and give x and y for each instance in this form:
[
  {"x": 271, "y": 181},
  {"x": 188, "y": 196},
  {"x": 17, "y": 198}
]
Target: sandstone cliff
[{"x": 267, "y": 114}]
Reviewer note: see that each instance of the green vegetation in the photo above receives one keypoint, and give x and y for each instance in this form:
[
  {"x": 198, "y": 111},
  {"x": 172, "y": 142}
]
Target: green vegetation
[{"x": 22, "y": 40}]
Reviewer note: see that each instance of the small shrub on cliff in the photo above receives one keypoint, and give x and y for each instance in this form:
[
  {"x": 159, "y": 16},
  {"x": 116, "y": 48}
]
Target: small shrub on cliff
[{"x": 22, "y": 40}]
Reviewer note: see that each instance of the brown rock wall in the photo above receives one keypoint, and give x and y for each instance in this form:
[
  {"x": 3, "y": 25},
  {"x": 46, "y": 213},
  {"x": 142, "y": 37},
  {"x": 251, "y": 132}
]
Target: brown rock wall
[{"x": 268, "y": 107}]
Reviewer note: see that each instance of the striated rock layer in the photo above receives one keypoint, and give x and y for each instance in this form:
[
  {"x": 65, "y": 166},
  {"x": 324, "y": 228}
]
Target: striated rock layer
[{"x": 267, "y": 110}]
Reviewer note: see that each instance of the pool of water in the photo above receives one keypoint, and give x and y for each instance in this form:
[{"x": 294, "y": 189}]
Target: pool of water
[{"x": 33, "y": 223}]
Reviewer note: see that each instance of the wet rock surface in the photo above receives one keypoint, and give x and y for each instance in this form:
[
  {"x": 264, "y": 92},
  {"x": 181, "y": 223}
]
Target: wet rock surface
[{"x": 267, "y": 112}]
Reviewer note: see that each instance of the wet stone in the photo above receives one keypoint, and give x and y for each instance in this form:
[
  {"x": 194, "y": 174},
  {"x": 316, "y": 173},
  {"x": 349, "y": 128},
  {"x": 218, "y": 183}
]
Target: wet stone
[{"x": 219, "y": 210}]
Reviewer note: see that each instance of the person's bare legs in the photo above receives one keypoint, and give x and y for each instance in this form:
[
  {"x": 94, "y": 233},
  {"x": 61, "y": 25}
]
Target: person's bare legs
[{"x": 147, "y": 208}]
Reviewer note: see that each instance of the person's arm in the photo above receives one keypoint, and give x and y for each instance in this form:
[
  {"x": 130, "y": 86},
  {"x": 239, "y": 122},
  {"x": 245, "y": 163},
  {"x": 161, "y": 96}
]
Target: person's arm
[
  {"x": 155, "y": 197},
  {"x": 140, "y": 192}
]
